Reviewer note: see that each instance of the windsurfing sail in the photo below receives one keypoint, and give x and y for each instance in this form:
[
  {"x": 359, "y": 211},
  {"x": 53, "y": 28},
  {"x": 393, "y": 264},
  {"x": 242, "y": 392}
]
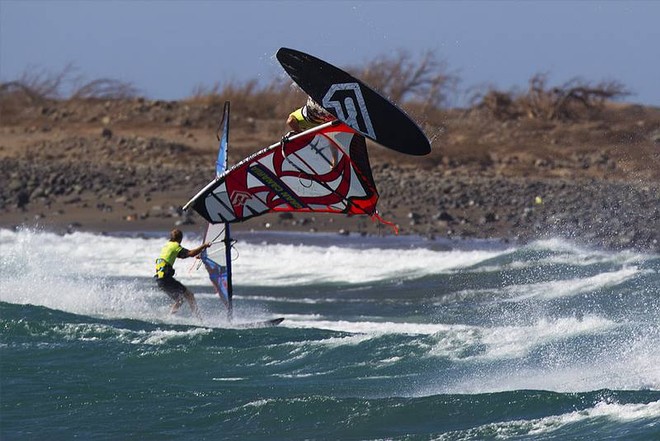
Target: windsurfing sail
[
  {"x": 218, "y": 265},
  {"x": 323, "y": 170}
]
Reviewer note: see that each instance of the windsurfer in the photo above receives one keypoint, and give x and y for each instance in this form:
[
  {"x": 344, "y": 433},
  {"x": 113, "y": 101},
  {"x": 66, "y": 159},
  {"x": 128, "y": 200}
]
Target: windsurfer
[
  {"x": 165, "y": 271},
  {"x": 309, "y": 116}
]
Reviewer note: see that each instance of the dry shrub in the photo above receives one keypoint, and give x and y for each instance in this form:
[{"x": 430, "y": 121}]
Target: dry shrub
[
  {"x": 574, "y": 100},
  {"x": 403, "y": 78},
  {"x": 38, "y": 87},
  {"x": 421, "y": 85},
  {"x": 250, "y": 99},
  {"x": 104, "y": 88},
  {"x": 33, "y": 87}
]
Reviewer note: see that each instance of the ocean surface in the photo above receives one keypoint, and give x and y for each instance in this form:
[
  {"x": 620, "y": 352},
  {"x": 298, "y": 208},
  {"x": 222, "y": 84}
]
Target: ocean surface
[{"x": 384, "y": 338}]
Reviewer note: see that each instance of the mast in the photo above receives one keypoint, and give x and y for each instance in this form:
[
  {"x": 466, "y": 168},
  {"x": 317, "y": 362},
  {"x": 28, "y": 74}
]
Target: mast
[
  {"x": 220, "y": 168},
  {"x": 230, "y": 290}
]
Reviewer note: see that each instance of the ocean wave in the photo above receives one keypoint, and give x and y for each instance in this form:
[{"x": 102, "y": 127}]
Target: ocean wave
[{"x": 601, "y": 418}]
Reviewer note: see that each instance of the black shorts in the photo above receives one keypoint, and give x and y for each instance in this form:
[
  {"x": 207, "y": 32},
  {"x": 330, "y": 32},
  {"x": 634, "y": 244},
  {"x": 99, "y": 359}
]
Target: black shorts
[{"x": 172, "y": 287}]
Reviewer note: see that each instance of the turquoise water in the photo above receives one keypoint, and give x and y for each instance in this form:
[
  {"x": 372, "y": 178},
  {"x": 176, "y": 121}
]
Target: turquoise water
[{"x": 384, "y": 338}]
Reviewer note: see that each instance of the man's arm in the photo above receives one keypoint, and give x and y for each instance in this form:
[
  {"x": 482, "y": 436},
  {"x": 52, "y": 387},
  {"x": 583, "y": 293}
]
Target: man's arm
[
  {"x": 293, "y": 123},
  {"x": 195, "y": 251}
]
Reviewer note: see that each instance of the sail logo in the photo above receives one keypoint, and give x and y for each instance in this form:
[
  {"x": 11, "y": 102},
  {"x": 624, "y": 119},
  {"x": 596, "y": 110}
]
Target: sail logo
[
  {"x": 348, "y": 104},
  {"x": 274, "y": 183},
  {"x": 239, "y": 198}
]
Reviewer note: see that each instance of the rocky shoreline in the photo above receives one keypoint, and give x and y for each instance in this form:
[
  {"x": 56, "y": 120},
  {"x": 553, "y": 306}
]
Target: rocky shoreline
[
  {"x": 610, "y": 215},
  {"x": 56, "y": 192}
]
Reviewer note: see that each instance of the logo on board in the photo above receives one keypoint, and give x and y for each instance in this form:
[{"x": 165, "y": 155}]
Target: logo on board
[{"x": 349, "y": 105}]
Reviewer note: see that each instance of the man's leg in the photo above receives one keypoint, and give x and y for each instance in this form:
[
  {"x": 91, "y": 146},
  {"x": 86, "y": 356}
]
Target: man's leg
[
  {"x": 176, "y": 305},
  {"x": 190, "y": 297},
  {"x": 177, "y": 292}
]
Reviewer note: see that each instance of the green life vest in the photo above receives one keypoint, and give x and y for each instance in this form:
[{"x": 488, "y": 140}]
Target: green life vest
[
  {"x": 303, "y": 123},
  {"x": 165, "y": 262}
]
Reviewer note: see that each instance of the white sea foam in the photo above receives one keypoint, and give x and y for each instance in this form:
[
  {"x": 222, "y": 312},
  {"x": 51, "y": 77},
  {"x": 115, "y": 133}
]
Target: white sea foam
[
  {"x": 369, "y": 327},
  {"x": 507, "y": 342},
  {"x": 78, "y": 272},
  {"x": 602, "y": 411},
  {"x": 259, "y": 264},
  {"x": 296, "y": 265},
  {"x": 562, "y": 252},
  {"x": 464, "y": 342},
  {"x": 96, "y": 332},
  {"x": 80, "y": 295},
  {"x": 628, "y": 362},
  {"x": 571, "y": 287},
  {"x": 550, "y": 290}
]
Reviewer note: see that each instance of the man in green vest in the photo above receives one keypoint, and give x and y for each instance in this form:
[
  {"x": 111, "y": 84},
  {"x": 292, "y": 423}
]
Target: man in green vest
[
  {"x": 308, "y": 116},
  {"x": 165, "y": 271}
]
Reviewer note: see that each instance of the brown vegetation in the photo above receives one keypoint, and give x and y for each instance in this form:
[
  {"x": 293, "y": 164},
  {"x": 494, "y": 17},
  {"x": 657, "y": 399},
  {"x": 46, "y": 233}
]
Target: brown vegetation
[{"x": 574, "y": 101}]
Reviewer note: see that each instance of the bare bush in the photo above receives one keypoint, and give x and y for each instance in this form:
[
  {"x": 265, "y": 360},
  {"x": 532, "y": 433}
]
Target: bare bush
[
  {"x": 574, "y": 100},
  {"x": 499, "y": 105},
  {"x": 403, "y": 78},
  {"x": 253, "y": 100},
  {"x": 579, "y": 94},
  {"x": 105, "y": 88},
  {"x": 33, "y": 87},
  {"x": 38, "y": 86}
]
